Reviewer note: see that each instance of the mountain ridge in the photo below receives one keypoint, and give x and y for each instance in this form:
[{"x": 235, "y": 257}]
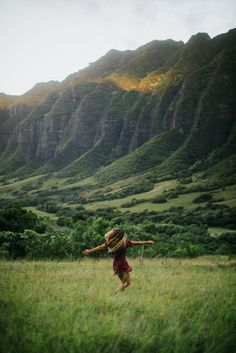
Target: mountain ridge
[{"x": 112, "y": 108}]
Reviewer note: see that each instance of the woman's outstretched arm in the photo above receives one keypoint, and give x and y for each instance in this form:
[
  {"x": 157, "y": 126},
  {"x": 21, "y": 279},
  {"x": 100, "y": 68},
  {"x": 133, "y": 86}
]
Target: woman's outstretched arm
[
  {"x": 98, "y": 248},
  {"x": 147, "y": 242}
]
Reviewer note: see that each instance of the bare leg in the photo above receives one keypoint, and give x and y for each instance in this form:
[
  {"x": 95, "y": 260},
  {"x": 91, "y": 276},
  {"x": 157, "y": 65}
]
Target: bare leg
[{"x": 125, "y": 280}]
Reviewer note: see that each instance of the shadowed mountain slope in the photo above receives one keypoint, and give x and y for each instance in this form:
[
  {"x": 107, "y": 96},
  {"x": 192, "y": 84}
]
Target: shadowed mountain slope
[{"x": 166, "y": 106}]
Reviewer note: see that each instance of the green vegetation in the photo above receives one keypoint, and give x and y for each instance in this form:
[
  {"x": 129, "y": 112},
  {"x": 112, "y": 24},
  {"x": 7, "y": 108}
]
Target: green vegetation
[
  {"x": 177, "y": 232},
  {"x": 203, "y": 198},
  {"x": 55, "y": 197},
  {"x": 148, "y": 110},
  {"x": 135, "y": 189},
  {"x": 180, "y": 306},
  {"x": 123, "y": 143},
  {"x": 15, "y": 218},
  {"x": 152, "y": 153}
]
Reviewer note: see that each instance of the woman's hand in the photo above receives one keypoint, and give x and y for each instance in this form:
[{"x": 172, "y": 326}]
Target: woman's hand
[
  {"x": 86, "y": 252},
  {"x": 151, "y": 242}
]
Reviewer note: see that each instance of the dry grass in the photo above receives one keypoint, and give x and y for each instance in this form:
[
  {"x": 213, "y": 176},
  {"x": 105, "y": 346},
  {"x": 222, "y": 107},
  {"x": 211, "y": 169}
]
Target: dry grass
[{"x": 171, "y": 306}]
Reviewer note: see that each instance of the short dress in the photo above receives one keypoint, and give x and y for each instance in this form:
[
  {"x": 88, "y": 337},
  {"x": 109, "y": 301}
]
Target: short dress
[{"x": 120, "y": 263}]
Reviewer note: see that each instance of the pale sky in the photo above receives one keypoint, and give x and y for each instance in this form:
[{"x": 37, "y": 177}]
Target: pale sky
[{"x": 43, "y": 40}]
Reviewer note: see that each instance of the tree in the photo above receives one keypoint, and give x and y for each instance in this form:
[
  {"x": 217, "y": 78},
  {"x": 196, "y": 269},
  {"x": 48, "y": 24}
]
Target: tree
[{"x": 16, "y": 219}]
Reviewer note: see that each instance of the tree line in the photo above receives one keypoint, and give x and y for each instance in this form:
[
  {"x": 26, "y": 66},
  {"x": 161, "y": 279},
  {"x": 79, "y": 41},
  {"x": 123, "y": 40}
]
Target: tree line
[{"x": 177, "y": 233}]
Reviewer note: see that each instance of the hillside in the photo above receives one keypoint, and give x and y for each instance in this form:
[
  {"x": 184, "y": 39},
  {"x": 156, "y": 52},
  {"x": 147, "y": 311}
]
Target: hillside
[{"x": 165, "y": 111}]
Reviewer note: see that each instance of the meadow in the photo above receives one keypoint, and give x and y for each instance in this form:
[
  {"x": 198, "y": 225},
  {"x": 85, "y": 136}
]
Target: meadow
[
  {"x": 172, "y": 305},
  {"x": 52, "y": 197}
]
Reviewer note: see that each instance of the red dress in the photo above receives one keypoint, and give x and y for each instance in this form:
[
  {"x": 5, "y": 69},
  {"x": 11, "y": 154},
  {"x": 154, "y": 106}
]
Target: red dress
[{"x": 120, "y": 263}]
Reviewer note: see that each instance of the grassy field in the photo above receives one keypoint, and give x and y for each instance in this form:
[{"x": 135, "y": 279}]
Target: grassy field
[
  {"x": 41, "y": 213},
  {"x": 43, "y": 185},
  {"x": 182, "y": 200},
  {"x": 172, "y": 306},
  {"x": 216, "y": 231}
]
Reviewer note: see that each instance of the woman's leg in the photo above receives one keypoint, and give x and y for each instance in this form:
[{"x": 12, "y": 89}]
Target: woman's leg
[{"x": 125, "y": 279}]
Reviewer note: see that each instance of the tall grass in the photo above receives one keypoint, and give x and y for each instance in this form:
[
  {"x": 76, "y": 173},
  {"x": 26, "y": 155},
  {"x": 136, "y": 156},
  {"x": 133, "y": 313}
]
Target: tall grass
[{"x": 171, "y": 306}]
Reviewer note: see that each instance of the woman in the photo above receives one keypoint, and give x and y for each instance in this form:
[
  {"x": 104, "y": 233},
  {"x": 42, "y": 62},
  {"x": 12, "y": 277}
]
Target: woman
[{"x": 117, "y": 243}]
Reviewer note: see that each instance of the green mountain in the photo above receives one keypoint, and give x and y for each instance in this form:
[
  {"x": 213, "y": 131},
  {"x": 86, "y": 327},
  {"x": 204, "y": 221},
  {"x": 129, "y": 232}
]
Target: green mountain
[{"x": 164, "y": 109}]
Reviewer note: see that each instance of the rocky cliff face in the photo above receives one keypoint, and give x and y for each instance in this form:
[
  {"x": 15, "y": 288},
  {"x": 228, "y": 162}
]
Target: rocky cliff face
[{"x": 123, "y": 100}]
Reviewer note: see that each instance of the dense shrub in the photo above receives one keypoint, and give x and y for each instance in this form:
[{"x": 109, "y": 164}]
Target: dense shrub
[
  {"x": 64, "y": 221},
  {"x": 134, "y": 189},
  {"x": 203, "y": 198},
  {"x": 173, "y": 230},
  {"x": 16, "y": 219},
  {"x": 50, "y": 206},
  {"x": 132, "y": 203},
  {"x": 159, "y": 199},
  {"x": 186, "y": 180}
]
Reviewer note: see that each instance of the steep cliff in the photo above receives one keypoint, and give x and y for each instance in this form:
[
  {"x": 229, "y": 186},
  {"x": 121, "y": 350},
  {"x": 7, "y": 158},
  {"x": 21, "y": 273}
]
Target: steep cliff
[{"x": 165, "y": 106}]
